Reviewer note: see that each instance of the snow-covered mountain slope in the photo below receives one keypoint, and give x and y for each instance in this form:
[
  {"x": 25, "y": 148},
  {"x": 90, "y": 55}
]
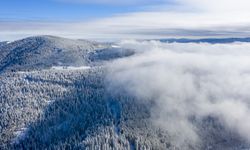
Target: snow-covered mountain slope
[
  {"x": 110, "y": 53},
  {"x": 71, "y": 109},
  {"x": 43, "y": 52}
]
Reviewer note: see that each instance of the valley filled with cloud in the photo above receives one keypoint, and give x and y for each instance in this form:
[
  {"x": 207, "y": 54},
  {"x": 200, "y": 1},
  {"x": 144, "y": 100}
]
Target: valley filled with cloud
[{"x": 188, "y": 82}]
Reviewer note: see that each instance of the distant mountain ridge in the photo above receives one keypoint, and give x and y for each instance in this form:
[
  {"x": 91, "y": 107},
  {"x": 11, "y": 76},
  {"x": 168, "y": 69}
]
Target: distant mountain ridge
[{"x": 207, "y": 40}]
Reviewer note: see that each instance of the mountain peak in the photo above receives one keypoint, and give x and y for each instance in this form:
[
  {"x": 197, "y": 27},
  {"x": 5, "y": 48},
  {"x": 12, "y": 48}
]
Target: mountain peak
[{"x": 41, "y": 52}]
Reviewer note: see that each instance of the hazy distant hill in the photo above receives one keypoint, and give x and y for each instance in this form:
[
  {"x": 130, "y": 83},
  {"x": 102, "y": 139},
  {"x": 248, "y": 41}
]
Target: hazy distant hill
[{"x": 207, "y": 40}]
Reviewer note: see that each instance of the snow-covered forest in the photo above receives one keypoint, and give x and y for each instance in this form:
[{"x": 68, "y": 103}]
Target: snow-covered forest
[{"x": 58, "y": 93}]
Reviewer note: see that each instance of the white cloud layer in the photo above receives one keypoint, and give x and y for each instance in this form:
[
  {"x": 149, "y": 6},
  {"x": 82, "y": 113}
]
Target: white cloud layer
[{"x": 188, "y": 80}]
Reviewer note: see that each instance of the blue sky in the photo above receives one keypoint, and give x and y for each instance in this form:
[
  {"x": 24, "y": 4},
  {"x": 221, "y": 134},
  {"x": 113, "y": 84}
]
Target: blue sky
[
  {"x": 120, "y": 19},
  {"x": 70, "y": 10},
  {"x": 53, "y": 10}
]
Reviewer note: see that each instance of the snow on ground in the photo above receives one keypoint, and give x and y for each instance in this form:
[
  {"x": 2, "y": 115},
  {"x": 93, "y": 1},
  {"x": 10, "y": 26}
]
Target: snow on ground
[
  {"x": 59, "y": 68},
  {"x": 70, "y": 68},
  {"x": 115, "y": 46}
]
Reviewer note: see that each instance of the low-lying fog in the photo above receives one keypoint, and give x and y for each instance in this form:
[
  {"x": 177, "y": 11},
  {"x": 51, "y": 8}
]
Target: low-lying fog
[{"x": 188, "y": 81}]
